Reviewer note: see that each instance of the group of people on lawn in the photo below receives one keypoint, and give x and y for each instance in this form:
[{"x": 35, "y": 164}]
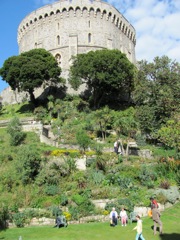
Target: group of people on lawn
[
  {"x": 114, "y": 217},
  {"x": 155, "y": 214}
]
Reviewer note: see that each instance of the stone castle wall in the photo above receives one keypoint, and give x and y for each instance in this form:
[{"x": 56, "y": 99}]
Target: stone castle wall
[{"x": 69, "y": 27}]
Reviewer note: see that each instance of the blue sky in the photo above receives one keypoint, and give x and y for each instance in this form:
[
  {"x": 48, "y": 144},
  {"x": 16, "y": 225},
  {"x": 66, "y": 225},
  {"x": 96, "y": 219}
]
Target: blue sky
[{"x": 156, "y": 23}]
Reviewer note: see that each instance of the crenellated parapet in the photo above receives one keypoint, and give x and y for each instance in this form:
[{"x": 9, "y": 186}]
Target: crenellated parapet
[{"x": 67, "y": 8}]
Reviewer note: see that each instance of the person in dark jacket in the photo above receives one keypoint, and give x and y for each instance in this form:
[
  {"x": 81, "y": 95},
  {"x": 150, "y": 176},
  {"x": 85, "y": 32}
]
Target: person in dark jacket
[{"x": 61, "y": 221}]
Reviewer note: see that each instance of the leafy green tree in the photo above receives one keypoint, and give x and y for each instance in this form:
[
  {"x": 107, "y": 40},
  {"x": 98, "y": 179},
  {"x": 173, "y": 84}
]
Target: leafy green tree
[
  {"x": 126, "y": 126},
  {"x": 103, "y": 119},
  {"x": 31, "y": 70},
  {"x": 169, "y": 134},
  {"x": 83, "y": 139},
  {"x": 157, "y": 92},
  {"x": 108, "y": 74},
  {"x": 15, "y": 130},
  {"x": 28, "y": 166}
]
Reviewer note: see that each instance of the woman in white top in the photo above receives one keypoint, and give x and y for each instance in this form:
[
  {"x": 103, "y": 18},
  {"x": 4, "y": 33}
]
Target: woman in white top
[
  {"x": 113, "y": 217},
  {"x": 123, "y": 216}
]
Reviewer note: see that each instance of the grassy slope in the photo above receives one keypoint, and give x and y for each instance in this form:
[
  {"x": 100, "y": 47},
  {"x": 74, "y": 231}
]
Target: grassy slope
[
  {"x": 100, "y": 231},
  {"x": 21, "y": 110}
]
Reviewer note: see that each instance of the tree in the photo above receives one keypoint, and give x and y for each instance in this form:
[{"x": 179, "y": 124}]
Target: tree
[
  {"x": 29, "y": 161},
  {"x": 108, "y": 74},
  {"x": 125, "y": 126},
  {"x": 82, "y": 139},
  {"x": 31, "y": 70},
  {"x": 103, "y": 119},
  {"x": 157, "y": 92},
  {"x": 169, "y": 134},
  {"x": 15, "y": 130}
]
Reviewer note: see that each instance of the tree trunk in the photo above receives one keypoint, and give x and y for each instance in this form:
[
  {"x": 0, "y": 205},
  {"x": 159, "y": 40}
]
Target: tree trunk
[{"x": 32, "y": 98}]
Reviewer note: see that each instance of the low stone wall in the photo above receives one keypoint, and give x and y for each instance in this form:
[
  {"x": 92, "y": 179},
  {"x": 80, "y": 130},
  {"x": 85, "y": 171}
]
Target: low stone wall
[
  {"x": 42, "y": 221},
  {"x": 101, "y": 203},
  {"x": 51, "y": 222}
]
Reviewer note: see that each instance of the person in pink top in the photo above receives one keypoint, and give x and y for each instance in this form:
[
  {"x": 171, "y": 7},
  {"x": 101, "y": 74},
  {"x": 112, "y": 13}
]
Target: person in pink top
[{"x": 123, "y": 216}]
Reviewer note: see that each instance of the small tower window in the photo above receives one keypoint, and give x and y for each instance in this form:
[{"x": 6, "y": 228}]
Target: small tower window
[
  {"x": 89, "y": 38},
  {"x": 58, "y": 40}
]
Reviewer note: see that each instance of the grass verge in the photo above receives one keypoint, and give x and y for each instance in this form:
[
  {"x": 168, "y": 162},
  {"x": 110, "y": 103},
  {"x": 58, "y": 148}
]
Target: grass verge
[{"x": 100, "y": 231}]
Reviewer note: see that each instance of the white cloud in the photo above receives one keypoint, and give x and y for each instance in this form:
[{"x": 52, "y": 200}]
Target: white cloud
[
  {"x": 157, "y": 26},
  {"x": 44, "y": 2}
]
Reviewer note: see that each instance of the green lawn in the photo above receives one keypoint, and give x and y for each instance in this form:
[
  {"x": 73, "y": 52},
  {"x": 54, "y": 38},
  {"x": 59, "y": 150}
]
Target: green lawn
[{"x": 100, "y": 231}]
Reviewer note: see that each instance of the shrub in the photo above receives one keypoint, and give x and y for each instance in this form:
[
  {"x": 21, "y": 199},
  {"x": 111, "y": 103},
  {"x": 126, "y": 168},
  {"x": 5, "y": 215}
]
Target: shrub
[
  {"x": 78, "y": 199},
  {"x": 105, "y": 212},
  {"x": 74, "y": 211},
  {"x": 63, "y": 200},
  {"x": 15, "y": 130},
  {"x": 165, "y": 184},
  {"x": 147, "y": 176},
  {"x": 51, "y": 190},
  {"x": 161, "y": 198},
  {"x": 19, "y": 219},
  {"x": 55, "y": 211},
  {"x": 67, "y": 216},
  {"x": 4, "y": 216},
  {"x": 140, "y": 139},
  {"x": 96, "y": 177},
  {"x": 120, "y": 158}
]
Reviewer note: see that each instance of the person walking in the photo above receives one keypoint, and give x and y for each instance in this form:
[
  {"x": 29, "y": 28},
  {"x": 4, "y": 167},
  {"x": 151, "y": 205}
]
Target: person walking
[
  {"x": 116, "y": 146},
  {"x": 153, "y": 202},
  {"x": 156, "y": 219},
  {"x": 123, "y": 216},
  {"x": 139, "y": 229}
]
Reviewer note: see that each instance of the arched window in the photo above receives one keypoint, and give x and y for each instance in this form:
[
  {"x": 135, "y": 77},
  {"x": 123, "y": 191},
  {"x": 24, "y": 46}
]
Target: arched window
[
  {"x": 89, "y": 38},
  {"x": 58, "y": 40},
  {"x": 35, "y": 45},
  {"x": 58, "y": 58}
]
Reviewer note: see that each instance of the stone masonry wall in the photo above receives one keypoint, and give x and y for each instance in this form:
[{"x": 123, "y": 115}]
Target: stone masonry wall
[{"x": 70, "y": 27}]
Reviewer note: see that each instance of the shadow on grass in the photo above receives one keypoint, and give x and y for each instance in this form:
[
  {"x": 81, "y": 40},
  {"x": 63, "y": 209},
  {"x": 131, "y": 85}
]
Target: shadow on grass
[
  {"x": 26, "y": 108},
  {"x": 170, "y": 236}
]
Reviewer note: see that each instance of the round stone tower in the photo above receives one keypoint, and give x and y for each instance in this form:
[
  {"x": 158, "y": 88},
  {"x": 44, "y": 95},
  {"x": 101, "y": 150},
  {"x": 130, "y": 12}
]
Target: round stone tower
[{"x": 69, "y": 27}]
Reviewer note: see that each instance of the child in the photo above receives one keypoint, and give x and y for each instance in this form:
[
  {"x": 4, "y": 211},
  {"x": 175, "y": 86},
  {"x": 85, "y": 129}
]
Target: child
[{"x": 139, "y": 228}]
